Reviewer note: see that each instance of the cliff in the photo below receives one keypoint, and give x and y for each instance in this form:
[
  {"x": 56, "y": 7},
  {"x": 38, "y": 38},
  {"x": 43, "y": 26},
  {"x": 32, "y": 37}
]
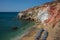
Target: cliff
[
  {"x": 44, "y": 13},
  {"x": 47, "y": 14}
]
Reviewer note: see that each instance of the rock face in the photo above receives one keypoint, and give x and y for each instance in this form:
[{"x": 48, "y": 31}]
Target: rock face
[{"x": 48, "y": 14}]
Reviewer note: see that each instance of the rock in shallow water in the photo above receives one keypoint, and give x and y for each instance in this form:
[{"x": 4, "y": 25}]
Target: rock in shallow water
[{"x": 14, "y": 28}]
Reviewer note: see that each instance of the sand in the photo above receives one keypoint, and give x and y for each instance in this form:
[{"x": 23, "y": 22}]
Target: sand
[{"x": 34, "y": 30}]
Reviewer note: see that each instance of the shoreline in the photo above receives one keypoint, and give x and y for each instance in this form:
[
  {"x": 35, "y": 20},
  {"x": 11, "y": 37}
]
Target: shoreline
[
  {"x": 31, "y": 32},
  {"x": 26, "y": 32},
  {"x": 23, "y": 34}
]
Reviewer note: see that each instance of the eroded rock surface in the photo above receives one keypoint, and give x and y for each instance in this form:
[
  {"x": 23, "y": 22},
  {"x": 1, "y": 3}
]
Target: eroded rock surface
[{"x": 47, "y": 14}]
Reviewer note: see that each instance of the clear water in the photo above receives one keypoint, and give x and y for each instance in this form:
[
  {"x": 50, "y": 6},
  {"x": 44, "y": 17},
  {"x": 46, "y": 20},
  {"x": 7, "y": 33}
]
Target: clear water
[{"x": 9, "y": 20}]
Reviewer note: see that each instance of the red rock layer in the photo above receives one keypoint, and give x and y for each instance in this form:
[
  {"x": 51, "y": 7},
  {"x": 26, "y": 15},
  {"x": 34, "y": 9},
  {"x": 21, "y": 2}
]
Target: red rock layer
[{"x": 54, "y": 12}]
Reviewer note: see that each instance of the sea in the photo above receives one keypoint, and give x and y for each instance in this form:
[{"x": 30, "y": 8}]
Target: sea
[{"x": 8, "y": 20}]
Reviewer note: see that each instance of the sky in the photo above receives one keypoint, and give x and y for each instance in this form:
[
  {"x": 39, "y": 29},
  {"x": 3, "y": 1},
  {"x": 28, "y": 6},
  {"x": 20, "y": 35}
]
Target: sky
[{"x": 19, "y": 5}]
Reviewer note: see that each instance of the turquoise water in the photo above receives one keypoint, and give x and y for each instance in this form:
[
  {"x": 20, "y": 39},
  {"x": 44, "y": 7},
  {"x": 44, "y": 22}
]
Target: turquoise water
[{"x": 7, "y": 21}]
